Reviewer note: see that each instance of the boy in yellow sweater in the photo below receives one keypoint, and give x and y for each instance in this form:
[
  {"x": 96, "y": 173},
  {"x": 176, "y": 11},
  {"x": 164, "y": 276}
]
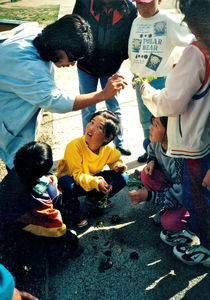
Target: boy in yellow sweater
[{"x": 81, "y": 172}]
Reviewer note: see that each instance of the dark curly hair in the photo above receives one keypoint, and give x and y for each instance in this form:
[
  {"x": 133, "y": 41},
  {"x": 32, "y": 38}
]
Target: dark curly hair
[{"x": 70, "y": 33}]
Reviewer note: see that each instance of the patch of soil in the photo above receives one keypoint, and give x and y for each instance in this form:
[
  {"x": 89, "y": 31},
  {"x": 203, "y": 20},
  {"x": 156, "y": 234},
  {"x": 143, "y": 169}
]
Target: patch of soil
[{"x": 46, "y": 130}]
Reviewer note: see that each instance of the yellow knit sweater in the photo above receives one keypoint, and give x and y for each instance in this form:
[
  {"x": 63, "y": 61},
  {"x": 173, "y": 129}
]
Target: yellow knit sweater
[{"x": 81, "y": 163}]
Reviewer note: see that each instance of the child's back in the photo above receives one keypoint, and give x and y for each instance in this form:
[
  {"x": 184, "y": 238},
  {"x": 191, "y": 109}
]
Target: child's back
[{"x": 27, "y": 196}]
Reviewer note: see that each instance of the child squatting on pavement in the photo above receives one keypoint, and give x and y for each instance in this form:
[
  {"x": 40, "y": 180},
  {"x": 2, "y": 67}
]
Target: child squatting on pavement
[
  {"x": 185, "y": 100},
  {"x": 80, "y": 172},
  {"x": 27, "y": 197}
]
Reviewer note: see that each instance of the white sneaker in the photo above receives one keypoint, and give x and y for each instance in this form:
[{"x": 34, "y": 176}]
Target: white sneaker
[
  {"x": 177, "y": 238},
  {"x": 196, "y": 254}
]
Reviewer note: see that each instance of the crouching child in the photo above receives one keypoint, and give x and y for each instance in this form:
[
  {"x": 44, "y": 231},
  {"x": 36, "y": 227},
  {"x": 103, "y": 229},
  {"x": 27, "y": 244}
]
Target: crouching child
[
  {"x": 81, "y": 171},
  {"x": 28, "y": 194}
]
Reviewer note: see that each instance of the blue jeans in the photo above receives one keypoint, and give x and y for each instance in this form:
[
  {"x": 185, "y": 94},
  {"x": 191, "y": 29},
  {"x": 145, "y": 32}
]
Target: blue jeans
[
  {"x": 144, "y": 113},
  {"x": 71, "y": 191},
  {"x": 88, "y": 84}
]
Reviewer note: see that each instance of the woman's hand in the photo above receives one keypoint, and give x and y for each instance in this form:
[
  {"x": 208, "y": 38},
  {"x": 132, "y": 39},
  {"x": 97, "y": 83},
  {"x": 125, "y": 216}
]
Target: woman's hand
[
  {"x": 149, "y": 168},
  {"x": 114, "y": 84},
  {"x": 138, "y": 196}
]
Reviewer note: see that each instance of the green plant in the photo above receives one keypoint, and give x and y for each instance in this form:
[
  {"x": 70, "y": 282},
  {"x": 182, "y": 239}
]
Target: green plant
[
  {"x": 140, "y": 79},
  {"x": 103, "y": 202}
]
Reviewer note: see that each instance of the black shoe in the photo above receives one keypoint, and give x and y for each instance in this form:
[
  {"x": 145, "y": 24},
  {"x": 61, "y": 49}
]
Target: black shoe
[
  {"x": 157, "y": 217},
  {"x": 124, "y": 151},
  {"x": 142, "y": 158}
]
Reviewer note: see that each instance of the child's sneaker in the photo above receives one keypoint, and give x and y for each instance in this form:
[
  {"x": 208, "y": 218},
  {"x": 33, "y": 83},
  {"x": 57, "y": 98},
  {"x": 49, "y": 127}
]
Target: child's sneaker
[
  {"x": 79, "y": 220},
  {"x": 58, "y": 248},
  {"x": 193, "y": 255},
  {"x": 105, "y": 204},
  {"x": 109, "y": 203},
  {"x": 71, "y": 241},
  {"x": 157, "y": 217},
  {"x": 176, "y": 238},
  {"x": 82, "y": 222}
]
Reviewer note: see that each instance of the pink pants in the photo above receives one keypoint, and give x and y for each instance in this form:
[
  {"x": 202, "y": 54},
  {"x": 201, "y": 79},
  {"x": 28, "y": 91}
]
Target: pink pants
[{"x": 173, "y": 219}]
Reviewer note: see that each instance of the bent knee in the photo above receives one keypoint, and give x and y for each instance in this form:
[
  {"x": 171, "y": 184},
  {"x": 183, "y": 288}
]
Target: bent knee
[{"x": 171, "y": 222}]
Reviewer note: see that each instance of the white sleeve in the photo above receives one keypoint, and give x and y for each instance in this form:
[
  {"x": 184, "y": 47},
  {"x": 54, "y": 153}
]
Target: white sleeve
[{"x": 181, "y": 84}]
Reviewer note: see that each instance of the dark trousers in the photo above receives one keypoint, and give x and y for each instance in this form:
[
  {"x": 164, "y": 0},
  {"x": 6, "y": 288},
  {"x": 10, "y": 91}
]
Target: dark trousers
[
  {"x": 71, "y": 191},
  {"x": 197, "y": 198}
]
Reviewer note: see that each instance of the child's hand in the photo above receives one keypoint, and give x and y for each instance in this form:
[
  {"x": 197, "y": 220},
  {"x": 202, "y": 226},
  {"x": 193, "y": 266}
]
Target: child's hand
[
  {"x": 104, "y": 187},
  {"x": 206, "y": 180},
  {"x": 138, "y": 196},
  {"x": 141, "y": 81},
  {"x": 149, "y": 168},
  {"x": 53, "y": 179},
  {"x": 119, "y": 168}
]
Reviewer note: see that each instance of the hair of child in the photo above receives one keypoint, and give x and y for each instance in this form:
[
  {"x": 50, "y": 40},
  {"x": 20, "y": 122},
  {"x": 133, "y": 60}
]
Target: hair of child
[
  {"x": 196, "y": 15},
  {"x": 163, "y": 120},
  {"x": 32, "y": 161},
  {"x": 112, "y": 126}
]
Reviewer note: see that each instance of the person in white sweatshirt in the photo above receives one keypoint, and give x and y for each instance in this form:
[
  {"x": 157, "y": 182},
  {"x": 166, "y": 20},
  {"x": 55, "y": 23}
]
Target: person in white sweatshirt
[
  {"x": 185, "y": 100},
  {"x": 153, "y": 37}
]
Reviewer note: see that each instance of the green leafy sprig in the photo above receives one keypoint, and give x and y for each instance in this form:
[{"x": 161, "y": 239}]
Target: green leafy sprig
[{"x": 140, "y": 80}]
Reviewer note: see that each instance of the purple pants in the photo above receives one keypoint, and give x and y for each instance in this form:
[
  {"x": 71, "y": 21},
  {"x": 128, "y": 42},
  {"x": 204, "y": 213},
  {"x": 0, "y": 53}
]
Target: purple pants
[
  {"x": 173, "y": 219},
  {"x": 197, "y": 198}
]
